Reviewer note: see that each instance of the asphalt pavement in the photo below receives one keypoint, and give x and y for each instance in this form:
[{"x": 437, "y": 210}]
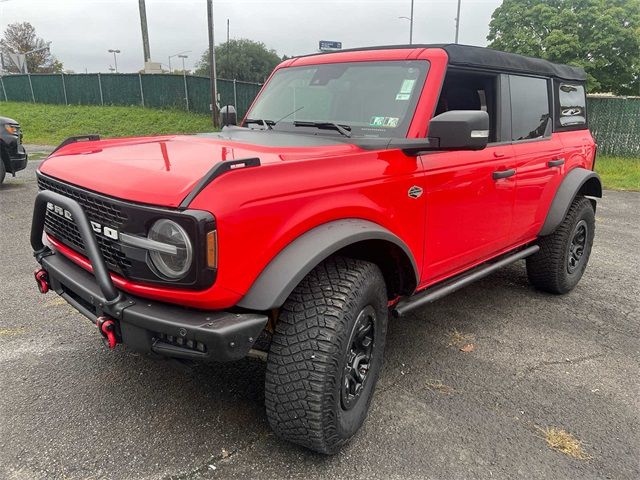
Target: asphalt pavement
[{"x": 70, "y": 408}]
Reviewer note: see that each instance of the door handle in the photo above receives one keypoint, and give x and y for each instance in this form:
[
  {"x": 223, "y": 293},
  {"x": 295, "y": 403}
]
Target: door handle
[
  {"x": 504, "y": 174},
  {"x": 498, "y": 154},
  {"x": 555, "y": 163}
]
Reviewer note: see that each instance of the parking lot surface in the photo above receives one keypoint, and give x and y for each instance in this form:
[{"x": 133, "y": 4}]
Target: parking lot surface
[{"x": 70, "y": 408}]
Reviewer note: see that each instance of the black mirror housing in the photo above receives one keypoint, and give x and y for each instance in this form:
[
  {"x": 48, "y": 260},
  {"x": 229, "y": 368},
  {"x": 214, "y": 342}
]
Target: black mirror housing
[
  {"x": 228, "y": 116},
  {"x": 460, "y": 130}
]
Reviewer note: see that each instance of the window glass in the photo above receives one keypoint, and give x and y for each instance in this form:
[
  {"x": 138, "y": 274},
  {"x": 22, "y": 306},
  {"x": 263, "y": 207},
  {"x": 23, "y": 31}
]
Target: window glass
[
  {"x": 464, "y": 90},
  {"x": 529, "y": 107},
  {"x": 374, "y": 99},
  {"x": 572, "y": 105}
]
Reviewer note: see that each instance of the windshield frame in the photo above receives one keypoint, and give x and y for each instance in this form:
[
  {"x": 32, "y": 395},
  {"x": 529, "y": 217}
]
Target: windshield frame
[{"x": 357, "y": 131}]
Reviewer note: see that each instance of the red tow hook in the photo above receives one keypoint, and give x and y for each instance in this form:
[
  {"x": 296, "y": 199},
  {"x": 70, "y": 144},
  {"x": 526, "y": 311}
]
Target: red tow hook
[
  {"x": 107, "y": 328},
  {"x": 42, "y": 279}
]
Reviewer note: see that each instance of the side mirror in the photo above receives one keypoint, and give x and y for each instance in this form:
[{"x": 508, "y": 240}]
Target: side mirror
[
  {"x": 228, "y": 116},
  {"x": 454, "y": 130},
  {"x": 460, "y": 130}
]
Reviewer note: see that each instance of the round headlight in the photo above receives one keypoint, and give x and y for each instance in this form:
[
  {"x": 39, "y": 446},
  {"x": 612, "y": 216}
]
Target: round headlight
[{"x": 174, "y": 266}]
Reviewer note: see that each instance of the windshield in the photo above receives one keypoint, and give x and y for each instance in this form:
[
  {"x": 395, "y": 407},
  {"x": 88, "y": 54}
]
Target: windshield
[{"x": 373, "y": 99}]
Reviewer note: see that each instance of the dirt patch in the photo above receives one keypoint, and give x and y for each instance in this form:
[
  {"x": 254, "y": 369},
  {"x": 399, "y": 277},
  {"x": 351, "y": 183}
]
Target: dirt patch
[{"x": 564, "y": 442}]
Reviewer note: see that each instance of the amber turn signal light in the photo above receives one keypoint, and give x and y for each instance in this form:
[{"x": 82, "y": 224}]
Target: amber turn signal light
[{"x": 212, "y": 249}]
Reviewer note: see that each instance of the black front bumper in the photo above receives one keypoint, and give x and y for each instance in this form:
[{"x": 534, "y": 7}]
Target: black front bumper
[
  {"x": 16, "y": 154},
  {"x": 144, "y": 325}
]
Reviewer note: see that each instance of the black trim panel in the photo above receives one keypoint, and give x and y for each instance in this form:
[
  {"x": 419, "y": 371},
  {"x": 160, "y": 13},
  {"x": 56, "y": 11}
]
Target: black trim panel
[
  {"x": 74, "y": 139},
  {"x": 570, "y": 187},
  {"x": 215, "y": 172},
  {"x": 291, "y": 265}
]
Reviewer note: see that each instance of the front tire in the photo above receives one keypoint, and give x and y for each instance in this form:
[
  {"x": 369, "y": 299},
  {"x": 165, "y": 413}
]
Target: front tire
[
  {"x": 563, "y": 256},
  {"x": 326, "y": 354}
]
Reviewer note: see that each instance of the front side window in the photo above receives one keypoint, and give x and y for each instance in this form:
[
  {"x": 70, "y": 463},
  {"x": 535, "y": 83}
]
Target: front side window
[
  {"x": 372, "y": 99},
  {"x": 572, "y": 102},
  {"x": 529, "y": 108}
]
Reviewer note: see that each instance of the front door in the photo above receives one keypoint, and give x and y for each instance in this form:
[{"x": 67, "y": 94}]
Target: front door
[{"x": 470, "y": 198}]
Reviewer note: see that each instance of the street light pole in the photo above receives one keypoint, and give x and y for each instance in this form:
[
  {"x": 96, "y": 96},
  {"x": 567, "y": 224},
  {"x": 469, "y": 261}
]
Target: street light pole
[
  {"x": 410, "y": 24},
  {"x": 115, "y": 60},
  {"x": 177, "y": 55},
  {"x": 458, "y": 21}
]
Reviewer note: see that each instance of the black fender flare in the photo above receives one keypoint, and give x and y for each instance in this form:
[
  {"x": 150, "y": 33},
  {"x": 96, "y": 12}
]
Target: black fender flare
[
  {"x": 287, "y": 269},
  {"x": 577, "y": 181}
]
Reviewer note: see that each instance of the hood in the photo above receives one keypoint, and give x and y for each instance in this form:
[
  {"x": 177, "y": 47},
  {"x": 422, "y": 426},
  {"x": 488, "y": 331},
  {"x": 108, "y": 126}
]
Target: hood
[{"x": 163, "y": 170}]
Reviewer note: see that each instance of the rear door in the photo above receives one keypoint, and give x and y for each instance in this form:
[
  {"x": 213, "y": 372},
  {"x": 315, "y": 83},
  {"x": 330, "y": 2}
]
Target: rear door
[{"x": 539, "y": 159}]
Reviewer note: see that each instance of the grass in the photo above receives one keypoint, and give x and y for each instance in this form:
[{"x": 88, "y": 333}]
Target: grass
[
  {"x": 564, "y": 442},
  {"x": 618, "y": 173},
  {"x": 50, "y": 124}
]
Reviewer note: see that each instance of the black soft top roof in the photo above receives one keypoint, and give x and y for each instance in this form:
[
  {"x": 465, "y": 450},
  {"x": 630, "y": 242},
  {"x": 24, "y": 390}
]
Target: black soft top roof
[{"x": 483, "y": 57}]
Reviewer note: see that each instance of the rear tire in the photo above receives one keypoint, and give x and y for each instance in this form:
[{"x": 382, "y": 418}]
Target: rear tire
[
  {"x": 326, "y": 354},
  {"x": 563, "y": 256},
  {"x": 3, "y": 172}
]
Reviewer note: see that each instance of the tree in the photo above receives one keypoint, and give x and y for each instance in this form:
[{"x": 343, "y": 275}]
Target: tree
[
  {"x": 21, "y": 38},
  {"x": 603, "y": 36},
  {"x": 241, "y": 59}
]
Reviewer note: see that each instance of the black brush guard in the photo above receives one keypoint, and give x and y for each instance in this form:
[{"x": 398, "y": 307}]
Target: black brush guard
[{"x": 144, "y": 325}]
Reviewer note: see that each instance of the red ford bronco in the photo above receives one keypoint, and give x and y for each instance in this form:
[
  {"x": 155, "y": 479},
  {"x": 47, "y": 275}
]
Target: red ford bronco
[{"x": 361, "y": 184}]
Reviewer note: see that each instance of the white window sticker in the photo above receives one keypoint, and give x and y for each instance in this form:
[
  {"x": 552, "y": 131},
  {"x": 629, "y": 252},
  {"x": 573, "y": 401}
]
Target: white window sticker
[
  {"x": 403, "y": 96},
  {"x": 407, "y": 86}
]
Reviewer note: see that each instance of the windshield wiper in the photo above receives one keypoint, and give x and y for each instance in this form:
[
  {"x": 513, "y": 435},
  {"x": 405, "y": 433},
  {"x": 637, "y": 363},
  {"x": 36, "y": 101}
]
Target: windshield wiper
[
  {"x": 342, "y": 129},
  {"x": 268, "y": 124}
]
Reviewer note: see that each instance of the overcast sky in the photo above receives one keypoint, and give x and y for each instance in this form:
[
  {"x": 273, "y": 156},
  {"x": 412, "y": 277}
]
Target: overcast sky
[{"x": 81, "y": 31}]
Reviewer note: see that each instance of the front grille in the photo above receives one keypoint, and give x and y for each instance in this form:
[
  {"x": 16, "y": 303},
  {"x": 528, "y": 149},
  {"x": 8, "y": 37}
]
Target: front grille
[{"x": 98, "y": 210}]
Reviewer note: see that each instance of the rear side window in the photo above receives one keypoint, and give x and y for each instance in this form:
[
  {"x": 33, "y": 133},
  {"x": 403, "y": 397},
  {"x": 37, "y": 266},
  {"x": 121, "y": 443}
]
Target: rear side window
[
  {"x": 529, "y": 108},
  {"x": 572, "y": 105}
]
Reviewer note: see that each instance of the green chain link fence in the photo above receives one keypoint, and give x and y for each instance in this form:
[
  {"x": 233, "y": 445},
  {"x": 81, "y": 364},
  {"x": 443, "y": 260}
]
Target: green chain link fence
[
  {"x": 156, "y": 91},
  {"x": 615, "y": 124},
  {"x": 614, "y": 121}
]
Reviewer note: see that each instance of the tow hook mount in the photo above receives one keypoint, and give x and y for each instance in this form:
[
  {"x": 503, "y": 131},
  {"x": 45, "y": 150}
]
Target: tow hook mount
[
  {"x": 107, "y": 328},
  {"x": 42, "y": 279}
]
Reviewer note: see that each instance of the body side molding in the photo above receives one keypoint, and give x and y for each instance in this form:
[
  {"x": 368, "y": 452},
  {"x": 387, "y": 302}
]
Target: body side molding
[
  {"x": 577, "y": 181},
  {"x": 296, "y": 260}
]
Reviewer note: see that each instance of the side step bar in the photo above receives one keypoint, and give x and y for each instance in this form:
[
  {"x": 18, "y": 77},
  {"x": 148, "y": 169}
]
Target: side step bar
[{"x": 429, "y": 295}]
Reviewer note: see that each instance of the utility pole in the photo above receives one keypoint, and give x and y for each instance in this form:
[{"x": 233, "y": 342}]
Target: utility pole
[
  {"x": 212, "y": 66},
  {"x": 458, "y": 21},
  {"x": 145, "y": 31}
]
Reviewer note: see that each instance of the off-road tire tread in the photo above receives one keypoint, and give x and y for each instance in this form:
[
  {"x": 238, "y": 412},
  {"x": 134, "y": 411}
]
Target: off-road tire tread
[
  {"x": 546, "y": 268},
  {"x": 305, "y": 352}
]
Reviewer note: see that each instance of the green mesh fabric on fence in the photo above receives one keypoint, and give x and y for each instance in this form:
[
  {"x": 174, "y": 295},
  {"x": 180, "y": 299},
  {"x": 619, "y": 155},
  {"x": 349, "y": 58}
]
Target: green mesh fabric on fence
[
  {"x": 199, "y": 91},
  {"x": 164, "y": 91},
  {"x": 615, "y": 124},
  {"x": 48, "y": 88},
  {"x": 16, "y": 88},
  {"x": 121, "y": 89},
  {"x": 82, "y": 89},
  {"x": 155, "y": 91}
]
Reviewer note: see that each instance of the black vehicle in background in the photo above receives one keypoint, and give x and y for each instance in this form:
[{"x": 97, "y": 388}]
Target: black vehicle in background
[{"x": 13, "y": 156}]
